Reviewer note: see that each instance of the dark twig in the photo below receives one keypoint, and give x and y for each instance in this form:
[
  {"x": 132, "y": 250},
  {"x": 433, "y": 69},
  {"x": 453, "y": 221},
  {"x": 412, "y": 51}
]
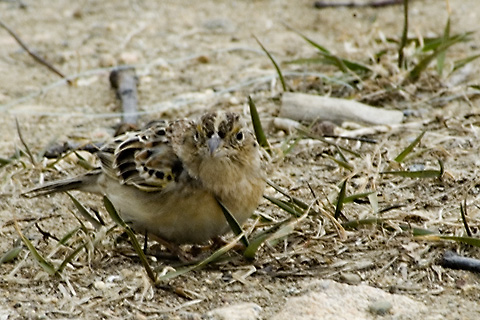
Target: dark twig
[
  {"x": 454, "y": 261},
  {"x": 33, "y": 54},
  {"x": 124, "y": 81},
  {"x": 351, "y": 4}
]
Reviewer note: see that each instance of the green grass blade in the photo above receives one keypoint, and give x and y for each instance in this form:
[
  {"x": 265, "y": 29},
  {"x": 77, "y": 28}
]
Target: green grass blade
[
  {"x": 213, "y": 257},
  {"x": 113, "y": 212},
  {"x": 341, "y": 163},
  {"x": 466, "y": 240},
  {"x": 287, "y": 145},
  {"x": 313, "y": 43},
  {"x": 356, "y": 196},
  {"x": 4, "y": 161},
  {"x": 460, "y": 63},
  {"x": 295, "y": 200},
  {"x": 309, "y": 134},
  {"x": 416, "y": 174},
  {"x": 84, "y": 212},
  {"x": 279, "y": 231},
  {"x": 354, "y": 224},
  {"x": 46, "y": 265},
  {"x": 441, "y": 55},
  {"x": 282, "y": 205},
  {"x": 341, "y": 199},
  {"x": 254, "y": 245},
  {"x": 257, "y": 125},
  {"x": 233, "y": 223},
  {"x": 70, "y": 257},
  {"x": 420, "y": 173},
  {"x": 403, "y": 41},
  {"x": 27, "y": 149},
  {"x": 279, "y": 72},
  {"x": 70, "y": 234},
  {"x": 11, "y": 254},
  {"x": 410, "y": 148},
  {"x": 327, "y": 57},
  {"x": 414, "y": 74},
  {"x": 131, "y": 235}
]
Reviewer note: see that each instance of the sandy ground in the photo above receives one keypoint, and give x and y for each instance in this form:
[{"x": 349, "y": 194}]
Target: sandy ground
[{"x": 196, "y": 56}]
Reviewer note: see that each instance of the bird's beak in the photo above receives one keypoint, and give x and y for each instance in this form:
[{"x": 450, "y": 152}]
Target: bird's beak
[{"x": 213, "y": 143}]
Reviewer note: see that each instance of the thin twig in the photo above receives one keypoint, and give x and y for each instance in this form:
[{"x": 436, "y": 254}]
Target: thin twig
[
  {"x": 351, "y": 4},
  {"x": 33, "y": 54}
]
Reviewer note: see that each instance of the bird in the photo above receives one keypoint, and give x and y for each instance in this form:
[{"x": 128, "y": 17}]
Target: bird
[{"x": 168, "y": 178}]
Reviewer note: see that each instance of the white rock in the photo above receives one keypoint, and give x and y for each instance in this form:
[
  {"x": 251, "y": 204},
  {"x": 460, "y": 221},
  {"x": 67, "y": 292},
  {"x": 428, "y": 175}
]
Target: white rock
[
  {"x": 241, "y": 311},
  {"x": 331, "y": 300}
]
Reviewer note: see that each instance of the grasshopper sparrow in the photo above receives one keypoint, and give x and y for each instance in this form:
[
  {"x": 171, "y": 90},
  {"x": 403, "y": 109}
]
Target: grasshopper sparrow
[{"x": 165, "y": 180}]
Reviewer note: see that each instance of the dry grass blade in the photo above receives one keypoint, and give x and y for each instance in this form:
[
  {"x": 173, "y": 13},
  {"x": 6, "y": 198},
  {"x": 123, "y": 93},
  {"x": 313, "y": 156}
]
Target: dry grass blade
[
  {"x": 257, "y": 125},
  {"x": 46, "y": 265},
  {"x": 83, "y": 162},
  {"x": 27, "y": 149},
  {"x": 466, "y": 240},
  {"x": 84, "y": 212},
  {"x": 463, "y": 213},
  {"x": 340, "y": 200},
  {"x": 131, "y": 235},
  {"x": 279, "y": 72},
  {"x": 11, "y": 254},
  {"x": 410, "y": 148},
  {"x": 213, "y": 257},
  {"x": 233, "y": 223}
]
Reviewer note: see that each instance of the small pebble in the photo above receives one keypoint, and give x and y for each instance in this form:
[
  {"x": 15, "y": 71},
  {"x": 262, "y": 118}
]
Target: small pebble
[
  {"x": 350, "y": 278},
  {"x": 380, "y": 307},
  {"x": 100, "y": 285}
]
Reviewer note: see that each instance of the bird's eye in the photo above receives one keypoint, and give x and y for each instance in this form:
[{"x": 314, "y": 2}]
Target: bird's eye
[
  {"x": 239, "y": 136},
  {"x": 196, "y": 136}
]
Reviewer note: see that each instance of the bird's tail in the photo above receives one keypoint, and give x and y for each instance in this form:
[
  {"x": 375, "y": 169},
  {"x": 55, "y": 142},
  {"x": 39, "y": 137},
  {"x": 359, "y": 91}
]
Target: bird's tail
[{"x": 85, "y": 183}]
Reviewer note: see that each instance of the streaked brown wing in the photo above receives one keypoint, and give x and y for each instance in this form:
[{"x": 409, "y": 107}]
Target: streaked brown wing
[{"x": 143, "y": 159}]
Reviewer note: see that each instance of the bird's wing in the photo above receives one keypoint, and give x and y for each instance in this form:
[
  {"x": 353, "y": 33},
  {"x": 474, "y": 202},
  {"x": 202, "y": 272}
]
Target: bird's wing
[{"x": 143, "y": 159}]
